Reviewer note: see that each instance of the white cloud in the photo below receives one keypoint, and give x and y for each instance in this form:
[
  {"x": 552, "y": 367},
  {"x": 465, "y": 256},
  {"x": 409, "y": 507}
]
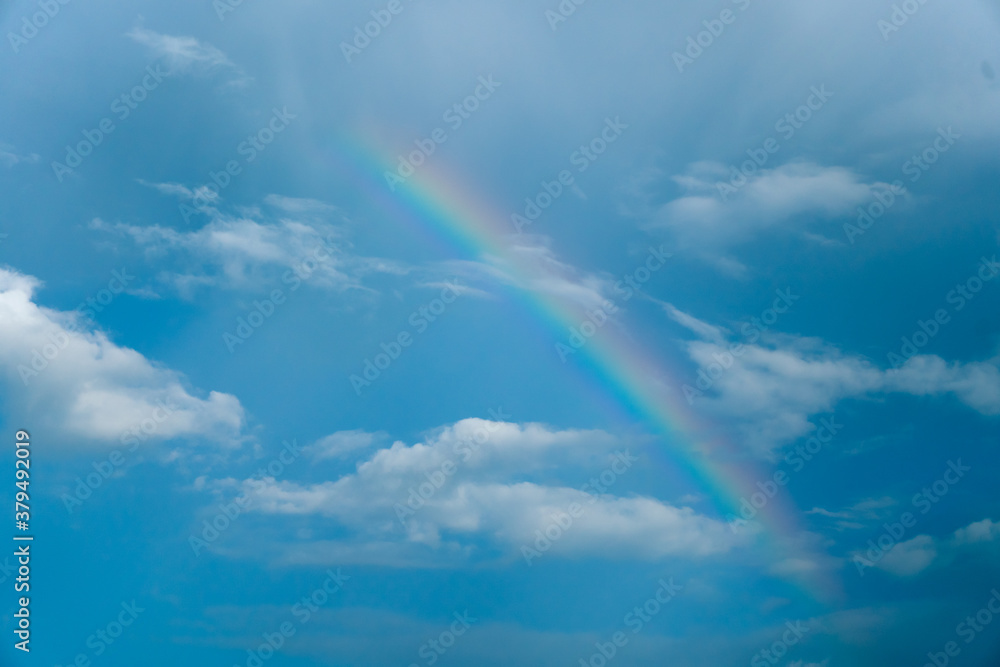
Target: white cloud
[
  {"x": 909, "y": 558},
  {"x": 186, "y": 53},
  {"x": 975, "y": 384},
  {"x": 986, "y": 530},
  {"x": 344, "y": 444},
  {"x": 241, "y": 253},
  {"x": 771, "y": 388},
  {"x": 59, "y": 375},
  {"x": 502, "y": 491},
  {"x": 703, "y": 217},
  {"x": 9, "y": 157}
]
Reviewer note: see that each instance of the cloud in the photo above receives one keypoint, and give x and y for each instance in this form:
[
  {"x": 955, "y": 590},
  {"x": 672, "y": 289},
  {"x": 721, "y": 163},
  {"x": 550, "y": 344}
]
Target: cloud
[
  {"x": 501, "y": 490},
  {"x": 975, "y": 384},
  {"x": 771, "y": 388},
  {"x": 242, "y": 253},
  {"x": 979, "y": 532},
  {"x": 57, "y": 374},
  {"x": 909, "y": 558},
  {"x": 185, "y": 54},
  {"x": 704, "y": 218},
  {"x": 298, "y": 206},
  {"x": 9, "y": 157},
  {"x": 344, "y": 444}
]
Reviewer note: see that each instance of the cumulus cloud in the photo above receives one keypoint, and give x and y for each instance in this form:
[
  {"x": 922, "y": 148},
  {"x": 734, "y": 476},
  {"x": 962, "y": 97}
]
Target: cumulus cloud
[
  {"x": 910, "y": 557},
  {"x": 482, "y": 488},
  {"x": 58, "y": 374},
  {"x": 979, "y": 532}
]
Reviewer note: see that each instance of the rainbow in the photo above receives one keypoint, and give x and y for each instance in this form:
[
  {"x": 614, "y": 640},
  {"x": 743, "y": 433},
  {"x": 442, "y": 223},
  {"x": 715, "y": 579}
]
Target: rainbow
[{"x": 463, "y": 225}]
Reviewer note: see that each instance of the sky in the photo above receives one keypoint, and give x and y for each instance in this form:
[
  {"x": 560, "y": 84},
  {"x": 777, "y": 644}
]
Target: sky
[{"x": 535, "y": 332}]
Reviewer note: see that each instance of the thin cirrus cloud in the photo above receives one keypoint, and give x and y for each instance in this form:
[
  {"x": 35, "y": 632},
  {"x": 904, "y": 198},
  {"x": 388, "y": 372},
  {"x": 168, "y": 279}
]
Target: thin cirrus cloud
[{"x": 184, "y": 54}]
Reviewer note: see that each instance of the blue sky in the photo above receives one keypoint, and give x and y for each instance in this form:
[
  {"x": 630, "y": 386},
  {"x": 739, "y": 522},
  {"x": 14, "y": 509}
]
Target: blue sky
[{"x": 282, "y": 415}]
